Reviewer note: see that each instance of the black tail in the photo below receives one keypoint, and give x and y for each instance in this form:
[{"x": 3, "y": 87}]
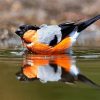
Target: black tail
[
  {"x": 84, "y": 79},
  {"x": 85, "y": 24}
]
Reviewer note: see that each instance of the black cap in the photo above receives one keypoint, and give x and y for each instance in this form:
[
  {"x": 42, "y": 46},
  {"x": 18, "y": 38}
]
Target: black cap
[{"x": 23, "y": 28}]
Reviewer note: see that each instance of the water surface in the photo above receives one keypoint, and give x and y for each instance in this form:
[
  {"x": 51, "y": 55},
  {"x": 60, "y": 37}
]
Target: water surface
[{"x": 13, "y": 89}]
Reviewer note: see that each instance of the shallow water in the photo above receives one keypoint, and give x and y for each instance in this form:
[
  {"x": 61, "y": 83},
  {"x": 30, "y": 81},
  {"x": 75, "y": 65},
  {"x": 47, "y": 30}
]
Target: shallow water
[{"x": 13, "y": 89}]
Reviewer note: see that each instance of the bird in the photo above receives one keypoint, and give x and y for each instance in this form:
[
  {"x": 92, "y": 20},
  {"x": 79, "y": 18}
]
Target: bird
[{"x": 52, "y": 39}]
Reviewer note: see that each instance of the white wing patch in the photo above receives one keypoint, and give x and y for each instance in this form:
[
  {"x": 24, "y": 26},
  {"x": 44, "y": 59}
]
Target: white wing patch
[{"x": 47, "y": 33}]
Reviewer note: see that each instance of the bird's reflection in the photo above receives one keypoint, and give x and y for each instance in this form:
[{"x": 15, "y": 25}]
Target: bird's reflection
[{"x": 51, "y": 68}]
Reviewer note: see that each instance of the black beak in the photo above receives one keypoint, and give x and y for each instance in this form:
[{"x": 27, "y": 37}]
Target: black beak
[{"x": 23, "y": 28}]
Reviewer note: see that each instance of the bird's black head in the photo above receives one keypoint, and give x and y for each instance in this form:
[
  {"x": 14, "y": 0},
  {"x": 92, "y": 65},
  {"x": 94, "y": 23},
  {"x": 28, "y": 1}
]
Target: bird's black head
[{"x": 24, "y": 28}]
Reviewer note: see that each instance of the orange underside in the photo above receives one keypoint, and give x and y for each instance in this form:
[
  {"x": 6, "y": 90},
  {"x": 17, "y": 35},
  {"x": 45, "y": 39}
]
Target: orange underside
[
  {"x": 61, "y": 47},
  {"x": 40, "y": 48}
]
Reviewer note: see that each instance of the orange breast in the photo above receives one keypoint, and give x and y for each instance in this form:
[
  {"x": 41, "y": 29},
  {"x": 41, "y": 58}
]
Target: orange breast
[
  {"x": 41, "y": 48},
  {"x": 30, "y": 36}
]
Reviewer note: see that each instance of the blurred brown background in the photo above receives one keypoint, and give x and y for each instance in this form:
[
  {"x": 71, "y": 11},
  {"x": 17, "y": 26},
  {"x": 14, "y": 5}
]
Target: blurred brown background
[{"x": 14, "y": 13}]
